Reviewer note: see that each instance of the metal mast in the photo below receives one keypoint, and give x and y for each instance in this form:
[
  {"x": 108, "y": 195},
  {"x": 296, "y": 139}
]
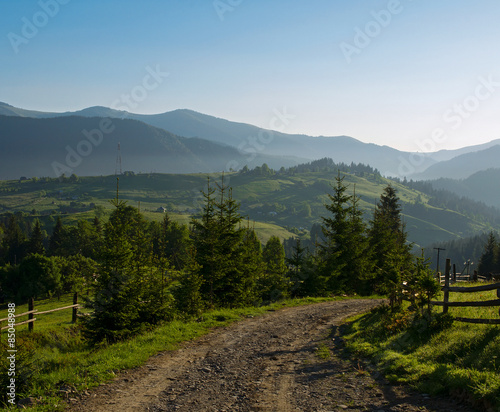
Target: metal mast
[{"x": 118, "y": 167}]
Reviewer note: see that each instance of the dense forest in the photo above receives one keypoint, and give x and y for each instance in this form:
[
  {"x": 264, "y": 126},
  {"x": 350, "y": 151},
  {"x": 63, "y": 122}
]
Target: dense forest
[
  {"x": 447, "y": 199},
  {"x": 137, "y": 273}
]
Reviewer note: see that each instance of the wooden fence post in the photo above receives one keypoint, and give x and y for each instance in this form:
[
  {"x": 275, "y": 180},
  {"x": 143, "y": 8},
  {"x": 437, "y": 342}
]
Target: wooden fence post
[
  {"x": 75, "y": 309},
  {"x": 31, "y": 306},
  {"x": 446, "y": 285},
  {"x": 454, "y": 272}
]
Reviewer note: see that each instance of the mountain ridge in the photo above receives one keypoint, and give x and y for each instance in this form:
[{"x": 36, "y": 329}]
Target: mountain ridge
[
  {"x": 253, "y": 142},
  {"x": 88, "y": 146}
]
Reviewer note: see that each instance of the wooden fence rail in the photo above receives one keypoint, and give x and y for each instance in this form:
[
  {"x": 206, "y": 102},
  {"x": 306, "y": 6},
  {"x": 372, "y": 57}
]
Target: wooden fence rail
[
  {"x": 32, "y": 311},
  {"x": 447, "y": 304}
]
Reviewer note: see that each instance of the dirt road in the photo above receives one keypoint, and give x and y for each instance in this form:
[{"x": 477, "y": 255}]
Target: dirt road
[{"x": 288, "y": 360}]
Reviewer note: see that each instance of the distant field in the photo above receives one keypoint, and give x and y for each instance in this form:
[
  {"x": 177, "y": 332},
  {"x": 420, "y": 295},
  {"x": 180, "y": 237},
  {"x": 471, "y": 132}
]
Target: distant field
[{"x": 279, "y": 204}]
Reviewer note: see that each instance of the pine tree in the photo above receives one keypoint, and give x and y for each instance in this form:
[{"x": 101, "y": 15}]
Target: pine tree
[
  {"x": 173, "y": 242},
  {"x": 488, "y": 262},
  {"x": 221, "y": 250},
  {"x": 343, "y": 257},
  {"x": 274, "y": 284},
  {"x": 14, "y": 242},
  {"x": 188, "y": 295},
  {"x": 35, "y": 243},
  {"x": 130, "y": 292},
  {"x": 335, "y": 232},
  {"x": 232, "y": 284},
  {"x": 388, "y": 242},
  {"x": 301, "y": 283},
  {"x": 252, "y": 268},
  {"x": 205, "y": 237},
  {"x": 56, "y": 241},
  {"x": 359, "y": 263}
]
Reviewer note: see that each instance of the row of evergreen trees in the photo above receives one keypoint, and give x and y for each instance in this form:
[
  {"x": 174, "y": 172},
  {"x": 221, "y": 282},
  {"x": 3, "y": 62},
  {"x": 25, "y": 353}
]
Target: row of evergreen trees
[{"x": 141, "y": 273}]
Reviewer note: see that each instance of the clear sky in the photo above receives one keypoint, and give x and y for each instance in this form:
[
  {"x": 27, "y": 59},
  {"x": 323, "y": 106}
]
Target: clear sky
[{"x": 414, "y": 75}]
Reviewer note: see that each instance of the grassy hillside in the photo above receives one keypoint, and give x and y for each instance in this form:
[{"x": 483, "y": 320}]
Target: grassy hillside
[
  {"x": 281, "y": 204},
  {"x": 436, "y": 356}
]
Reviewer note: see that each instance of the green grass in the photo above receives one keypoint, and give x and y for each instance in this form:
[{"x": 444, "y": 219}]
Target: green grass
[
  {"x": 259, "y": 197},
  {"x": 323, "y": 352},
  {"x": 434, "y": 358},
  {"x": 62, "y": 358},
  {"x": 47, "y": 321}
]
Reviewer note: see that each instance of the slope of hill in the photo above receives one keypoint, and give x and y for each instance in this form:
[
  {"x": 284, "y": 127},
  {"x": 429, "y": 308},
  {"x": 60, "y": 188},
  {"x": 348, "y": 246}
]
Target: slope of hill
[
  {"x": 483, "y": 186},
  {"x": 88, "y": 146},
  {"x": 254, "y": 142},
  {"x": 463, "y": 166},
  {"x": 443, "y": 155},
  {"x": 290, "y": 201},
  {"x": 251, "y": 141}
]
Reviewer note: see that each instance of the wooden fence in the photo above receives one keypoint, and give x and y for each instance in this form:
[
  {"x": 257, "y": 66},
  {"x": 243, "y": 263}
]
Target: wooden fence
[
  {"x": 447, "y": 304},
  {"x": 32, "y": 312}
]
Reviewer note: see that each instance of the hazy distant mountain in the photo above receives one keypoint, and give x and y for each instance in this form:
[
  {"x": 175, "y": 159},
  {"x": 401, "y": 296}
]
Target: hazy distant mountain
[
  {"x": 255, "y": 144},
  {"x": 89, "y": 146},
  {"x": 251, "y": 141},
  {"x": 483, "y": 186},
  {"x": 443, "y": 155},
  {"x": 463, "y": 166}
]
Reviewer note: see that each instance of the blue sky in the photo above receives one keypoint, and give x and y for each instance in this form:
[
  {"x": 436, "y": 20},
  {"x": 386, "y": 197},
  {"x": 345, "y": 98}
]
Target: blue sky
[{"x": 390, "y": 72}]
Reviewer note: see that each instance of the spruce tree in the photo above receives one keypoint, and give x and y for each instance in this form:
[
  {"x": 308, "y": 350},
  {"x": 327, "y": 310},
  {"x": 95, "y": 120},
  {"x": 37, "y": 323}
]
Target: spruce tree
[
  {"x": 252, "y": 268},
  {"x": 301, "y": 283},
  {"x": 14, "y": 242},
  {"x": 343, "y": 256},
  {"x": 174, "y": 242},
  {"x": 56, "y": 241},
  {"x": 332, "y": 253},
  {"x": 188, "y": 294},
  {"x": 274, "y": 284},
  {"x": 205, "y": 238},
  {"x": 130, "y": 292},
  {"x": 488, "y": 262},
  {"x": 391, "y": 252},
  {"x": 221, "y": 249},
  {"x": 35, "y": 243},
  {"x": 359, "y": 266}
]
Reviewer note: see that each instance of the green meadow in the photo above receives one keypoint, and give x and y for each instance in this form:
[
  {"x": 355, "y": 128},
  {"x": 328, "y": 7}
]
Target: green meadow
[{"x": 440, "y": 356}]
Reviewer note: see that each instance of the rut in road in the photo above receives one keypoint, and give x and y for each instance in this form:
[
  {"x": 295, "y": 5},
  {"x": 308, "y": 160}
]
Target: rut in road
[{"x": 267, "y": 363}]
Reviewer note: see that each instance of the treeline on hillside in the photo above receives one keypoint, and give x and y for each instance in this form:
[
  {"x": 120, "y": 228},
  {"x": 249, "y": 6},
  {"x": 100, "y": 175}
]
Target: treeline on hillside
[
  {"x": 464, "y": 253},
  {"x": 448, "y": 200},
  {"x": 141, "y": 273},
  {"x": 321, "y": 165}
]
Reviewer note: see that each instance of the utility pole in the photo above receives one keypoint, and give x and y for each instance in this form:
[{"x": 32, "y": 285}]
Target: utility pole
[{"x": 439, "y": 249}]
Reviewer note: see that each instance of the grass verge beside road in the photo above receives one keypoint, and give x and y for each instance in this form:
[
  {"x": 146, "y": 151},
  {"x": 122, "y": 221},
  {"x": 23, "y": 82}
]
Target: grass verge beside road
[{"x": 435, "y": 355}]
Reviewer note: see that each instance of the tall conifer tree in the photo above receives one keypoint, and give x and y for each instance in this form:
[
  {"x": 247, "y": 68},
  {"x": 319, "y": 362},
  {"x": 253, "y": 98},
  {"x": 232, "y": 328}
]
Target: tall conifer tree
[
  {"x": 488, "y": 262},
  {"x": 388, "y": 243}
]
